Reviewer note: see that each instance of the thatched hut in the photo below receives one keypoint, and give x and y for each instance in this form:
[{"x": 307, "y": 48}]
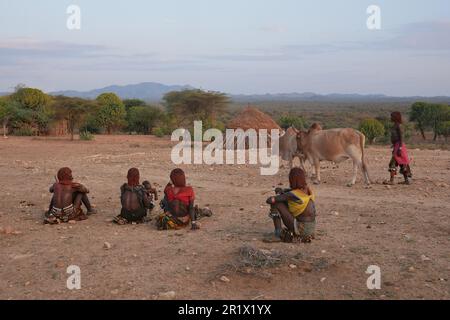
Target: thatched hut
[{"x": 253, "y": 118}]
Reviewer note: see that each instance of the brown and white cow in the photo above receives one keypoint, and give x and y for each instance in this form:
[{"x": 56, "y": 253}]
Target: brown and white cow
[{"x": 336, "y": 145}]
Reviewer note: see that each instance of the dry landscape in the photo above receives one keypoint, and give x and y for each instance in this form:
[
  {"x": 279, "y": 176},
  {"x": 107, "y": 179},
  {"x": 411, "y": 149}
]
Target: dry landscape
[{"x": 405, "y": 230}]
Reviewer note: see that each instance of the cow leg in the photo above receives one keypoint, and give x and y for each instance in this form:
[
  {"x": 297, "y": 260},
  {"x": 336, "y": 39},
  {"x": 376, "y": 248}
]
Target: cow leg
[
  {"x": 316, "y": 179},
  {"x": 356, "y": 165},
  {"x": 365, "y": 174}
]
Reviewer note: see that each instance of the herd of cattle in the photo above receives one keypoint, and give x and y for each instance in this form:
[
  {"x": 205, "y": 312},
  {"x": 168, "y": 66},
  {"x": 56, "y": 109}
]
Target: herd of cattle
[{"x": 316, "y": 145}]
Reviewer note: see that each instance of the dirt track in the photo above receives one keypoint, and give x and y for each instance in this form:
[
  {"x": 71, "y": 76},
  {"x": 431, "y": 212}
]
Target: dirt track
[{"x": 405, "y": 230}]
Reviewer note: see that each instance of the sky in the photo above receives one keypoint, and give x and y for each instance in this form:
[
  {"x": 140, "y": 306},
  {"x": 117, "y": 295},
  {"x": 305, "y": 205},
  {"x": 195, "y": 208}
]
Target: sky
[{"x": 234, "y": 46}]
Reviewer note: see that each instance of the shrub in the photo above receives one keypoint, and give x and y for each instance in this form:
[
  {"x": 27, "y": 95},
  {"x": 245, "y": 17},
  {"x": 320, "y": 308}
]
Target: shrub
[
  {"x": 372, "y": 129},
  {"x": 86, "y": 136},
  {"x": 142, "y": 119},
  {"x": 159, "y": 132},
  {"x": 287, "y": 121},
  {"x": 24, "y": 131}
]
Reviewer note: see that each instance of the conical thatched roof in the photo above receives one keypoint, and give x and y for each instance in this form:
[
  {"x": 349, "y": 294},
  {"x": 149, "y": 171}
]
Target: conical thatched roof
[{"x": 252, "y": 118}]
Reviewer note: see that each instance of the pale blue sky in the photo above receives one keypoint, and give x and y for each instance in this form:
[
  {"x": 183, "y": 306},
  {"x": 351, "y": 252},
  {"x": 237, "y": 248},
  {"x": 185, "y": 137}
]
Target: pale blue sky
[{"x": 245, "y": 46}]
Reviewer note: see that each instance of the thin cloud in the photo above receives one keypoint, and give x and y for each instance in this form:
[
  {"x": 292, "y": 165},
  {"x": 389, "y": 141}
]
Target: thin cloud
[{"x": 422, "y": 37}]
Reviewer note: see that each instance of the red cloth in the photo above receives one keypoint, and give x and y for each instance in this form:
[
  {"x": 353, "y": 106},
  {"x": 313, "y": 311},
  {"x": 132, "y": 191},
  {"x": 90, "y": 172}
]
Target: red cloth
[
  {"x": 185, "y": 194},
  {"x": 404, "y": 158}
]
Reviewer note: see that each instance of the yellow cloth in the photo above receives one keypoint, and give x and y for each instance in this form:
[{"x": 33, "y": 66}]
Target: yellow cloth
[{"x": 297, "y": 207}]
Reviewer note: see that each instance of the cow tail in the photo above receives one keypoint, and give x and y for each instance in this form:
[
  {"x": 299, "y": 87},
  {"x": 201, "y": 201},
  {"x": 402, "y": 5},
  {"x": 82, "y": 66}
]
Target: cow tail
[{"x": 362, "y": 142}]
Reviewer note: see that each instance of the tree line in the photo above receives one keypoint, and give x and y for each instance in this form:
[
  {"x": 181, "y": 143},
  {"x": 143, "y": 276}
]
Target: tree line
[{"x": 29, "y": 111}]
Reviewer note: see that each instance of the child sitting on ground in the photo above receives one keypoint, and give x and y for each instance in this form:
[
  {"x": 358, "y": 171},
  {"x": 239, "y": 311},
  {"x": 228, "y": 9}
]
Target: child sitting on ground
[
  {"x": 178, "y": 205},
  {"x": 294, "y": 207},
  {"x": 68, "y": 197},
  {"x": 136, "y": 199}
]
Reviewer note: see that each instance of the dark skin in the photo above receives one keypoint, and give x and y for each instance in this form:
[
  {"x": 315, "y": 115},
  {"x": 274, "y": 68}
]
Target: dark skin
[
  {"x": 280, "y": 203},
  {"x": 150, "y": 190},
  {"x": 191, "y": 211},
  {"x": 397, "y": 136},
  {"x": 66, "y": 194},
  {"x": 130, "y": 201}
]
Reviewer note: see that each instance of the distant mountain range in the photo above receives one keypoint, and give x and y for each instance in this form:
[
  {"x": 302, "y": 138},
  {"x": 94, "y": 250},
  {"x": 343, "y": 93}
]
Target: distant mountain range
[
  {"x": 149, "y": 91},
  {"x": 334, "y": 97},
  {"x": 154, "y": 92}
]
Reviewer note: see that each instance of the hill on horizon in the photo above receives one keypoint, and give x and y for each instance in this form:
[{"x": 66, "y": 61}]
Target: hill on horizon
[
  {"x": 154, "y": 92},
  {"x": 148, "y": 91}
]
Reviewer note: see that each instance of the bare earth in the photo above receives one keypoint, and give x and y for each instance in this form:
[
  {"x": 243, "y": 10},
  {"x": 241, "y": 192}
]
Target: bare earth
[{"x": 405, "y": 230}]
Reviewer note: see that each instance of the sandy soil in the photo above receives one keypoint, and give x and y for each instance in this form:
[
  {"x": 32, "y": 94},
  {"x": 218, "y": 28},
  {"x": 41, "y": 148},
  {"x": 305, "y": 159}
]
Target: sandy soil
[{"x": 405, "y": 230}]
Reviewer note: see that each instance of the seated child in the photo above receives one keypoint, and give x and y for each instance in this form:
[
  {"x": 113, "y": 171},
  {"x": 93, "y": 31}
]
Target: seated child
[
  {"x": 178, "y": 204},
  {"x": 68, "y": 196},
  {"x": 136, "y": 199},
  {"x": 296, "y": 208}
]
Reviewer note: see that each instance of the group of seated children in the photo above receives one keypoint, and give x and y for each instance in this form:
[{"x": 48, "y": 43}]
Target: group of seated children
[
  {"x": 137, "y": 200},
  {"x": 293, "y": 207}
]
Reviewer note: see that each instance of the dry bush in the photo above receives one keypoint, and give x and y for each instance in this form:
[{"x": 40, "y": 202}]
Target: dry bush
[{"x": 251, "y": 258}]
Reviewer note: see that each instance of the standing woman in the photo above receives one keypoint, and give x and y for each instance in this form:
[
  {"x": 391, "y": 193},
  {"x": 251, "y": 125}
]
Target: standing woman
[{"x": 400, "y": 156}]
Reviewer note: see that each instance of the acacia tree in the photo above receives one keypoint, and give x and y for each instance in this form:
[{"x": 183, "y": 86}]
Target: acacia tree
[
  {"x": 418, "y": 114},
  {"x": 429, "y": 116},
  {"x": 74, "y": 110},
  {"x": 438, "y": 114},
  {"x": 111, "y": 113},
  {"x": 192, "y": 105}
]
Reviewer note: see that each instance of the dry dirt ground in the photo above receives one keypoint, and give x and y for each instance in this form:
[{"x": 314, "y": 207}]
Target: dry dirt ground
[{"x": 405, "y": 230}]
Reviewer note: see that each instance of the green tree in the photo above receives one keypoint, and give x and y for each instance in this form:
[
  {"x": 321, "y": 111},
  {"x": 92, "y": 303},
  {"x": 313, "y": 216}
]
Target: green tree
[
  {"x": 91, "y": 123},
  {"x": 74, "y": 110},
  {"x": 429, "y": 116},
  {"x": 128, "y": 103},
  {"x": 191, "y": 105},
  {"x": 143, "y": 119},
  {"x": 8, "y": 110},
  {"x": 111, "y": 114},
  {"x": 372, "y": 129},
  {"x": 438, "y": 113},
  {"x": 31, "y": 98},
  {"x": 287, "y": 121},
  {"x": 444, "y": 129},
  {"x": 38, "y": 105},
  {"x": 418, "y": 115}
]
